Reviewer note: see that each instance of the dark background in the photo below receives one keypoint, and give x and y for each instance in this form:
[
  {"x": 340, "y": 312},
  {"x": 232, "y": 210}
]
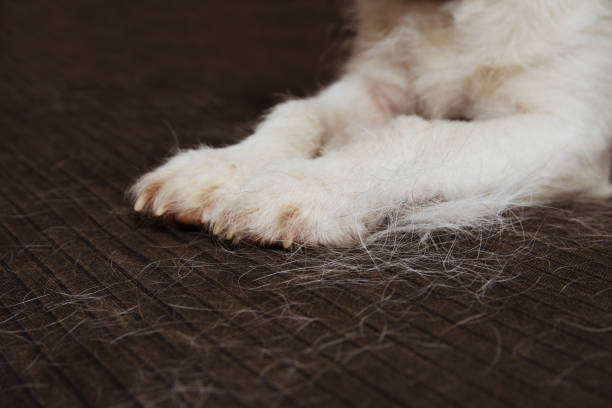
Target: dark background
[{"x": 100, "y": 307}]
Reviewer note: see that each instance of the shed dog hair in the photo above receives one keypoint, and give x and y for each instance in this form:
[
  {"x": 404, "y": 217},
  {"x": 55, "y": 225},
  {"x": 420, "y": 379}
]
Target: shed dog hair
[{"x": 447, "y": 113}]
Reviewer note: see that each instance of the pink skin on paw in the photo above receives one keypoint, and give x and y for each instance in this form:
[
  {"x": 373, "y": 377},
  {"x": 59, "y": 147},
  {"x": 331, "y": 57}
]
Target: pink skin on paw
[{"x": 188, "y": 219}]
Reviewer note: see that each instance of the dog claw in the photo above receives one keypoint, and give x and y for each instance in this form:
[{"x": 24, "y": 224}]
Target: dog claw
[
  {"x": 141, "y": 202},
  {"x": 160, "y": 211},
  {"x": 217, "y": 229}
]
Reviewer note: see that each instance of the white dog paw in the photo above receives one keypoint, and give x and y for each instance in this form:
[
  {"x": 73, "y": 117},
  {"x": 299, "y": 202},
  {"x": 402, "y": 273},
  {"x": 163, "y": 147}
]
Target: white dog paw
[
  {"x": 238, "y": 200},
  {"x": 290, "y": 210},
  {"x": 191, "y": 185}
]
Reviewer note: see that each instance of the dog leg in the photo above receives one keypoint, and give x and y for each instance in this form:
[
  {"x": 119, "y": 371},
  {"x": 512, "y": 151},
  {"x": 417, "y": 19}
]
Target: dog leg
[
  {"x": 481, "y": 166},
  {"x": 192, "y": 186}
]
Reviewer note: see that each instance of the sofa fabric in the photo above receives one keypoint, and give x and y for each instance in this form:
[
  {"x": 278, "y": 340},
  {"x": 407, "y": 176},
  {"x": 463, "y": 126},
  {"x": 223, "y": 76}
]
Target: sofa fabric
[{"x": 101, "y": 307}]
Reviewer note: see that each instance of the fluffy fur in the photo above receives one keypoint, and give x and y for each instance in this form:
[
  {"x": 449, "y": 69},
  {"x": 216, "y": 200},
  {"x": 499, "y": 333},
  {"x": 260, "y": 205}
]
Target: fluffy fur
[{"x": 447, "y": 114}]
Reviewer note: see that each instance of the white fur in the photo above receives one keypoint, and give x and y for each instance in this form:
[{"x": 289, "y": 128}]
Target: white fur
[{"x": 532, "y": 80}]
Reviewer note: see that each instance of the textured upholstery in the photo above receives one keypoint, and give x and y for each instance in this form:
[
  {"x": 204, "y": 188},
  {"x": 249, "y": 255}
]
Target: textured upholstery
[{"x": 101, "y": 307}]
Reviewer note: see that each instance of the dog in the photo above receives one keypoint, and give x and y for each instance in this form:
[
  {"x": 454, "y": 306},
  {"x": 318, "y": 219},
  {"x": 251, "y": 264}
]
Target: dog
[{"x": 446, "y": 114}]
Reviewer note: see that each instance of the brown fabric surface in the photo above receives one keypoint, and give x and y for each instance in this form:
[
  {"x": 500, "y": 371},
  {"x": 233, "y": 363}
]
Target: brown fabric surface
[{"x": 99, "y": 307}]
